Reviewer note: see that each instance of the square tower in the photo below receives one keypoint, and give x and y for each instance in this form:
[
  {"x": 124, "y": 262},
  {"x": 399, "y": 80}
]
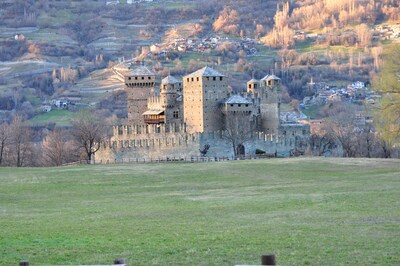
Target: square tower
[
  {"x": 203, "y": 93},
  {"x": 141, "y": 84}
]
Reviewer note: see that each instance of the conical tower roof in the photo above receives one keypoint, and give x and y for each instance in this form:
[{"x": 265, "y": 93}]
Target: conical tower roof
[
  {"x": 269, "y": 77},
  {"x": 169, "y": 80}
]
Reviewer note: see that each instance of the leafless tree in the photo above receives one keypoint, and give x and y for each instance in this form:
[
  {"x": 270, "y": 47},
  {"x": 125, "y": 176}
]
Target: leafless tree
[
  {"x": 20, "y": 141},
  {"x": 88, "y": 131},
  {"x": 239, "y": 129},
  {"x": 387, "y": 149},
  {"x": 4, "y": 139},
  {"x": 364, "y": 35},
  {"x": 58, "y": 148},
  {"x": 227, "y": 21},
  {"x": 321, "y": 143},
  {"x": 341, "y": 123}
]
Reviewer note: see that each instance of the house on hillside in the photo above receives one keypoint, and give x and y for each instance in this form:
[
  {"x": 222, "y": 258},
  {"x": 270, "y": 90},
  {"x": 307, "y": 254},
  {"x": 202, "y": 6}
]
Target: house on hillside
[
  {"x": 46, "y": 108},
  {"x": 112, "y": 3},
  {"x": 60, "y": 104}
]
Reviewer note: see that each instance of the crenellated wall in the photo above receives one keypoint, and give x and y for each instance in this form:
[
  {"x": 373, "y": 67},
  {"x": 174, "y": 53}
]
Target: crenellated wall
[
  {"x": 173, "y": 141},
  {"x": 154, "y": 103}
]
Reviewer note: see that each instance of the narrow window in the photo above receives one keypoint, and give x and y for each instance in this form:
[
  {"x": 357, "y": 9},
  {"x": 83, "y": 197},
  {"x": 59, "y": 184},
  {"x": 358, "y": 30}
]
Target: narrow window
[{"x": 214, "y": 78}]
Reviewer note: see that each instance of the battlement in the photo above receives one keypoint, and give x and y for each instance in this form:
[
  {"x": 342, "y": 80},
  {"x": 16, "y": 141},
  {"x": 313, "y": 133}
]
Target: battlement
[
  {"x": 150, "y": 135},
  {"x": 130, "y": 131},
  {"x": 145, "y": 131},
  {"x": 144, "y": 142},
  {"x": 173, "y": 139},
  {"x": 154, "y": 102}
]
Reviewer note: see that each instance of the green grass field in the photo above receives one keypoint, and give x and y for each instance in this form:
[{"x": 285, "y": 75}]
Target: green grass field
[
  {"x": 59, "y": 116},
  {"x": 306, "y": 211}
]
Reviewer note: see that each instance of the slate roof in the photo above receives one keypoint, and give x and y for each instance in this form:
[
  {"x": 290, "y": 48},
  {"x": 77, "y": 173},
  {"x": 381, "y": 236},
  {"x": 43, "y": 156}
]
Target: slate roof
[
  {"x": 253, "y": 80},
  {"x": 237, "y": 99},
  {"x": 269, "y": 77},
  {"x": 169, "y": 80},
  {"x": 205, "y": 72},
  {"x": 142, "y": 71}
]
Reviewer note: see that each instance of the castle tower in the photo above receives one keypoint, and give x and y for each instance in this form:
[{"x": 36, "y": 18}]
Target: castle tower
[
  {"x": 253, "y": 86},
  {"x": 240, "y": 121},
  {"x": 204, "y": 91},
  {"x": 270, "y": 103},
  {"x": 170, "y": 99},
  {"x": 141, "y": 84}
]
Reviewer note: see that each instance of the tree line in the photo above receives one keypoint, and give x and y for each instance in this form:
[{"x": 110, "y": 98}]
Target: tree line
[{"x": 21, "y": 145}]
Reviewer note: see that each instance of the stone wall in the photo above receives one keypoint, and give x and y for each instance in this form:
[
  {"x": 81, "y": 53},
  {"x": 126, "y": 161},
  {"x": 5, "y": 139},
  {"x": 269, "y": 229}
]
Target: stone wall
[{"x": 174, "y": 142}]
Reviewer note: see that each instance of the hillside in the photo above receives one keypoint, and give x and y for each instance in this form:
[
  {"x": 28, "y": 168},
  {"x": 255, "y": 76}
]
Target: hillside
[
  {"x": 65, "y": 49},
  {"x": 305, "y": 211}
]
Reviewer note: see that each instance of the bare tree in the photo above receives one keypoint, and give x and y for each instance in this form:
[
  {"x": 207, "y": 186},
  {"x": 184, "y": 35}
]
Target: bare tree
[
  {"x": 88, "y": 132},
  {"x": 387, "y": 147},
  {"x": 344, "y": 131},
  {"x": 57, "y": 148},
  {"x": 364, "y": 35},
  {"x": 227, "y": 21},
  {"x": 281, "y": 36},
  {"x": 239, "y": 129},
  {"x": 4, "y": 139},
  {"x": 321, "y": 144},
  {"x": 20, "y": 141}
]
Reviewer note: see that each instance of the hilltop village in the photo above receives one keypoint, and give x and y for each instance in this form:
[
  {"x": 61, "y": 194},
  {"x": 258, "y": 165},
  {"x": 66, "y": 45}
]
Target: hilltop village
[{"x": 196, "y": 116}]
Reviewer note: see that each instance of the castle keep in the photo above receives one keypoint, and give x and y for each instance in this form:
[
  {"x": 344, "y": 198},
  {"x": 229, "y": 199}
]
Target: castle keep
[{"x": 197, "y": 116}]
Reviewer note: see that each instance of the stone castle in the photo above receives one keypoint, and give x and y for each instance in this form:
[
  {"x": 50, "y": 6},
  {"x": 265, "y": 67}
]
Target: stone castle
[{"x": 198, "y": 116}]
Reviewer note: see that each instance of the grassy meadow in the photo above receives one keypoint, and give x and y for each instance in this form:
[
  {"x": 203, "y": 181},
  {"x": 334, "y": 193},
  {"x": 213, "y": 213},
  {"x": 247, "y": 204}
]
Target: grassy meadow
[
  {"x": 307, "y": 211},
  {"x": 61, "y": 117}
]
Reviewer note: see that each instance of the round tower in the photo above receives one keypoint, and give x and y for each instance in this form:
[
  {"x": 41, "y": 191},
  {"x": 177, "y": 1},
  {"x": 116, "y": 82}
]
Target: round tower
[
  {"x": 270, "y": 104},
  {"x": 168, "y": 91},
  {"x": 169, "y": 94}
]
